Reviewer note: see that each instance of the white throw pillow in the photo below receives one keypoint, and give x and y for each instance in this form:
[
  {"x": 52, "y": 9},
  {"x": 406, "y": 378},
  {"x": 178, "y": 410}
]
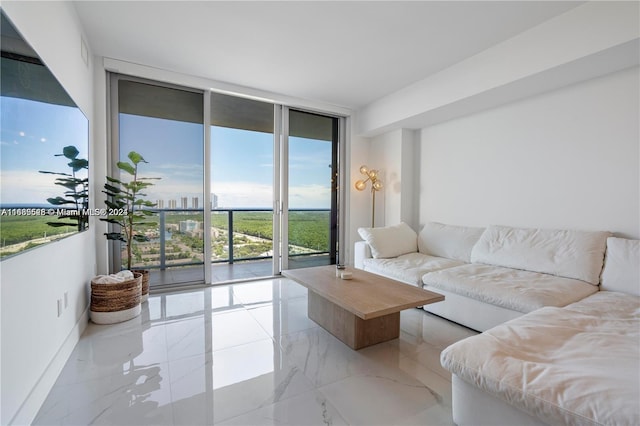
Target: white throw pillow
[
  {"x": 390, "y": 241},
  {"x": 622, "y": 266},
  {"x": 450, "y": 241}
]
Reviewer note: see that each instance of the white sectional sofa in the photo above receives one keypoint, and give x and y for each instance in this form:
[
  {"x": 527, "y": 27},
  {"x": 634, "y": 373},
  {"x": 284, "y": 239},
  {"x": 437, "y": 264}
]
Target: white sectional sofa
[
  {"x": 576, "y": 365},
  {"x": 561, "y": 344},
  {"x": 488, "y": 276}
]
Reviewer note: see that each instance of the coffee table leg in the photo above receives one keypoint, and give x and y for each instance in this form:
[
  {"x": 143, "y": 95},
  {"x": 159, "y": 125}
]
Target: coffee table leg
[{"x": 349, "y": 328}]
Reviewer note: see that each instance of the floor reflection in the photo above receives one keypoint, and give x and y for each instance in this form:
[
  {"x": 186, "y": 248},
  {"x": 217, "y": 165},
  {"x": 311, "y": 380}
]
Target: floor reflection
[
  {"x": 229, "y": 272},
  {"x": 248, "y": 354}
]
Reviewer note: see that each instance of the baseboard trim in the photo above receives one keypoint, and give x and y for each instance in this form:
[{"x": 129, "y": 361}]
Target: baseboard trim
[{"x": 29, "y": 409}]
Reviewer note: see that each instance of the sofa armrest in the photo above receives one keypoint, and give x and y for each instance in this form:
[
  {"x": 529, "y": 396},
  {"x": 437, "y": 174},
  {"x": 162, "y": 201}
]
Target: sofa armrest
[{"x": 361, "y": 251}]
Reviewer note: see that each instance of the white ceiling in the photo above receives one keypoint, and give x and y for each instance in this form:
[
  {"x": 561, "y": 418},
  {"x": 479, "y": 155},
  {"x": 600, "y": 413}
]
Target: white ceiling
[{"x": 347, "y": 53}]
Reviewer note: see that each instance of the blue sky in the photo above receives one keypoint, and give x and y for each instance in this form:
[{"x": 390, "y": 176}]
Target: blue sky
[
  {"x": 31, "y": 133},
  {"x": 242, "y": 161}
]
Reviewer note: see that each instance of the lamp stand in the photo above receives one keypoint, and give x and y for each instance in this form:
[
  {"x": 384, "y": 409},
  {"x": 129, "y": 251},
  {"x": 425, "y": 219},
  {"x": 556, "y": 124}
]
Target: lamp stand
[
  {"x": 376, "y": 185},
  {"x": 373, "y": 207}
]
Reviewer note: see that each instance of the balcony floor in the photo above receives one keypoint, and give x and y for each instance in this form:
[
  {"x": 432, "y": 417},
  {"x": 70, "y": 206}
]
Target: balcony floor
[{"x": 225, "y": 272}]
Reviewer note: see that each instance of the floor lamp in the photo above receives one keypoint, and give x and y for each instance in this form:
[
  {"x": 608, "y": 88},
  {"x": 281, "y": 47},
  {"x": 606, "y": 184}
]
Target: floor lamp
[{"x": 376, "y": 185}]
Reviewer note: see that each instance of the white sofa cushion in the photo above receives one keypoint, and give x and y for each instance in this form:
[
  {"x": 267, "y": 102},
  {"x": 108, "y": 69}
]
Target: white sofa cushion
[
  {"x": 518, "y": 290},
  {"x": 453, "y": 242},
  {"x": 565, "y": 253},
  {"x": 408, "y": 268},
  {"x": 622, "y": 266},
  {"x": 576, "y": 365},
  {"x": 390, "y": 241},
  {"x": 472, "y": 313}
]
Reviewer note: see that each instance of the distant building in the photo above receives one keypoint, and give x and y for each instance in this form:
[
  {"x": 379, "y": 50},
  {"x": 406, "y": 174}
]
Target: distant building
[
  {"x": 160, "y": 204},
  {"x": 189, "y": 226},
  {"x": 183, "y": 201},
  {"x": 194, "y": 202},
  {"x": 172, "y": 204},
  {"x": 214, "y": 201}
]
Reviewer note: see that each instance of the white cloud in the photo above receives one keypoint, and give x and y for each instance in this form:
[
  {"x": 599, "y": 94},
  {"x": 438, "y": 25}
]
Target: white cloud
[
  {"x": 31, "y": 187},
  {"x": 189, "y": 167},
  {"x": 28, "y": 187},
  {"x": 248, "y": 194},
  {"x": 310, "y": 196},
  {"x": 243, "y": 194}
]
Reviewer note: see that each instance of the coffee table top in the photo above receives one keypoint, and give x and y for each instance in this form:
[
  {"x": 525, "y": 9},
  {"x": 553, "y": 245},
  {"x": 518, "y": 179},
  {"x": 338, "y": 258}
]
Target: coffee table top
[{"x": 366, "y": 295}]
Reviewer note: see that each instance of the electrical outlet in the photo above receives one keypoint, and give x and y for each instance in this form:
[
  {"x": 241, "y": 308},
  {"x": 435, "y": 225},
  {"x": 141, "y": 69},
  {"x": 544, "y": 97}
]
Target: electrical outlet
[
  {"x": 66, "y": 299},
  {"x": 59, "y": 307}
]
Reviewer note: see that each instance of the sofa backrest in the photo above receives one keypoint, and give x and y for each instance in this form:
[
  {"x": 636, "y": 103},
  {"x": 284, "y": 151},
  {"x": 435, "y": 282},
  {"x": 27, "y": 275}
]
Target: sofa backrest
[
  {"x": 450, "y": 241},
  {"x": 564, "y": 253},
  {"x": 622, "y": 266}
]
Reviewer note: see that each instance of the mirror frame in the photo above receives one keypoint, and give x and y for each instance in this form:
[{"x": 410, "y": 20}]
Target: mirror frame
[{"x": 45, "y": 170}]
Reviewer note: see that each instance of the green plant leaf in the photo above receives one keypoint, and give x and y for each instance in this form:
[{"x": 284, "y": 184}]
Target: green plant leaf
[
  {"x": 54, "y": 173},
  {"x": 112, "y": 189},
  {"x": 115, "y": 236},
  {"x": 122, "y": 165},
  {"x": 114, "y": 205},
  {"x": 61, "y": 224},
  {"x": 136, "y": 158},
  {"x": 71, "y": 152},
  {"x": 70, "y": 185},
  {"x": 59, "y": 201},
  {"x": 78, "y": 164}
]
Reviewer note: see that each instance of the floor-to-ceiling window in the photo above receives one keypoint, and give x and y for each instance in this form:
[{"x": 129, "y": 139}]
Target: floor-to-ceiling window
[
  {"x": 242, "y": 158},
  {"x": 165, "y": 126},
  {"x": 246, "y": 188},
  {"x": 312, "y": 172}
]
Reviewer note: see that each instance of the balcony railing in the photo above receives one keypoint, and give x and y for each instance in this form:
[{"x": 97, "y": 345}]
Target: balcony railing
[
  {"x": 310, "y": 239},
  {"x": 170, "y": 224}
]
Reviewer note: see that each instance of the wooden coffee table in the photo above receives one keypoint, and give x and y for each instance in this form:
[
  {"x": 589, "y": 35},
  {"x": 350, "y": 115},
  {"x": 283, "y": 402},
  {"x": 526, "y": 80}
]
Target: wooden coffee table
[{"x": 362, "y": 311}]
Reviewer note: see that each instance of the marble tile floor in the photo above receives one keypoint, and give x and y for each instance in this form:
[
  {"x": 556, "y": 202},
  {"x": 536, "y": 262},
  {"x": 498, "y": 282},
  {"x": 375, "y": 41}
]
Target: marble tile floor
[{"x": 247, "y": 354}]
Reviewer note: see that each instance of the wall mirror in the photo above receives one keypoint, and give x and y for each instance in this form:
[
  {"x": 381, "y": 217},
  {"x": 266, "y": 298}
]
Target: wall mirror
[{"x": 44, "y": 145}]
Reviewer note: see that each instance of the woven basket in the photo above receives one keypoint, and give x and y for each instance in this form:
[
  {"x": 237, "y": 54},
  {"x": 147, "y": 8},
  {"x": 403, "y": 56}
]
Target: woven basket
[
  {"x": 111, "y": 303},
  {"x": 145, "y": 283}
]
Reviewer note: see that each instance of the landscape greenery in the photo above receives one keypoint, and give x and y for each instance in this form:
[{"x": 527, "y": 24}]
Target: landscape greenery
[
  {"x": 307, "y": 229},
  {"x": 18, "y": 229}
]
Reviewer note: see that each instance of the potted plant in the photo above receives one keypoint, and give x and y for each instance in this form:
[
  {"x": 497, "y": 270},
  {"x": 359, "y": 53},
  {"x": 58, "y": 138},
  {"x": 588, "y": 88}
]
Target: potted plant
[
  {"x": 128, "y": 210},
  {"x": 76, "y": 196}
]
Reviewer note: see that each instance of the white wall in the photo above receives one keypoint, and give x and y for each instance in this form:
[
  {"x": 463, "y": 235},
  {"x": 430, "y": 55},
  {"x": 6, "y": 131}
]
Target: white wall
[
  {"x": 565, "y": 159},
  {"x": 359, "y": 204},
  {"x": 393, "y": 154},
  {"x": 35, "y": 341},
  {"x": 593, "y": 39}
]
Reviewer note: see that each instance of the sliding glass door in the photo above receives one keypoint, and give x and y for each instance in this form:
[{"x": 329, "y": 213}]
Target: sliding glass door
[
  {"x": 242, "y": 176},
  {"x": 310, "y": 176},
  {"x": 165, "y": 126},
  {"x": 246, "y": 188}
]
